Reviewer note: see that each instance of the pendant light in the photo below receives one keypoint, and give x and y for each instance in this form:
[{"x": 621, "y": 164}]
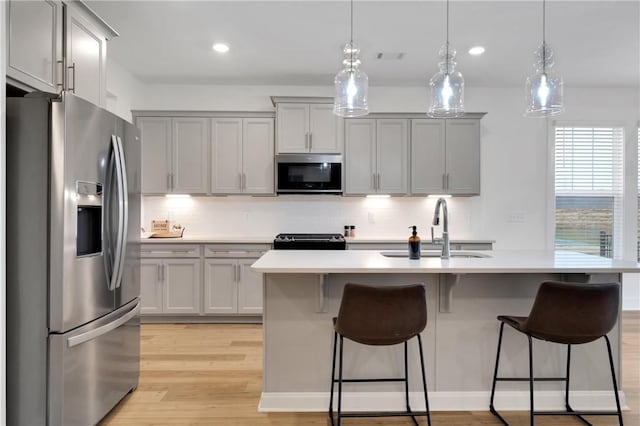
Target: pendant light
[
  {"x": 351, "y": 84},
  {"x": 447, "y": 85},
  {"x": 544, "y": 90}
]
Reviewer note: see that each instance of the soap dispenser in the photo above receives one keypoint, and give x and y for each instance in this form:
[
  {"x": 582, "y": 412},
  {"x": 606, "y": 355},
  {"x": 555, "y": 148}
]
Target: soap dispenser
[{"x": 414, "y": 244}]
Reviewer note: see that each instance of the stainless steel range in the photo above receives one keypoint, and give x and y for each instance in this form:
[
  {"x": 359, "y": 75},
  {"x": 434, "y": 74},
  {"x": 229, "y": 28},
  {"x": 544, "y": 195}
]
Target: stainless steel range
[{"x": 309, "y": 242}]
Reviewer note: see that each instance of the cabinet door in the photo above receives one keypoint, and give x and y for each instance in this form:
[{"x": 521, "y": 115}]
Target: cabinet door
[
  {"x": 86, "y": 52},
  {"x": 151, "y": 286},
  {"x": 428, "y": 156},
  {"x": 360, "y": 156},
  {"x": 463, "y": 156},
  {"x": 190, "y": 155},
  {"x": 392, "y": 153},
  {"x": 323, "y": 129},
  {"x": 257, "y": 155},
  {"x": 221, "y": 286},
  {"x": 182, "y": 286},
  {"x": 292, "y": 121},
  {"x": 155, "y": 134},
  {"x": 226, "y": 156},
  {"x": 34, "y": 46},
  {"x": 249, "y": 288}
]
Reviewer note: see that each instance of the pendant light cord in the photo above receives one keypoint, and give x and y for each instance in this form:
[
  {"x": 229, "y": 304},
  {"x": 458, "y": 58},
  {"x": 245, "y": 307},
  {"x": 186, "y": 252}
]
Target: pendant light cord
[{"x": 447, "y": 34}]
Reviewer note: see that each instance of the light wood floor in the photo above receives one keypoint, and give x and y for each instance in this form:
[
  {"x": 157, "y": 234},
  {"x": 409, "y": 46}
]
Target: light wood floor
[{"x": 205, "y": 374}]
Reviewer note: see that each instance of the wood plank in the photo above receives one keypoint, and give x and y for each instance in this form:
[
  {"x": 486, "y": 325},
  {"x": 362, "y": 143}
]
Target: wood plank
[{"x": 211, "y": 374}]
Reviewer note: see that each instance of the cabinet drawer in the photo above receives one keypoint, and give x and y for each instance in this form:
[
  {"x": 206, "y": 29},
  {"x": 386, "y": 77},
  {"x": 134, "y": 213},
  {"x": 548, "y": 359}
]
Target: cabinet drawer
[
  {"x": 236, "y": 250},
  {"x": 169, "y": 250}
]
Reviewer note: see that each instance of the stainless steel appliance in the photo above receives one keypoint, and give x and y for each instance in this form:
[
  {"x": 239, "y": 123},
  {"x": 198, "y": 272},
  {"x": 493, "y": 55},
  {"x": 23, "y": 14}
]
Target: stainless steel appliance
[
  {"x": 309, "y": 242},
  {"x": 73, "y": 262},
  {"x": 309, "y": 173}
]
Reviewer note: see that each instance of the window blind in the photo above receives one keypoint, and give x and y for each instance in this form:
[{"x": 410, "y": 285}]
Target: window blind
[{"x": 588, "y": 189}]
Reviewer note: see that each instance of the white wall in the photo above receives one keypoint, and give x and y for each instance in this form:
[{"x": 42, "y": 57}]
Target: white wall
[
  {"x": 517, "y": 194},
  {"x": 123, "y": 89}
]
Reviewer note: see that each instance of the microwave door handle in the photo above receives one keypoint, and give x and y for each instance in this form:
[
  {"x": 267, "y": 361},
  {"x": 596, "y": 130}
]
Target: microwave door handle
[{"x": 124, "y": 203}]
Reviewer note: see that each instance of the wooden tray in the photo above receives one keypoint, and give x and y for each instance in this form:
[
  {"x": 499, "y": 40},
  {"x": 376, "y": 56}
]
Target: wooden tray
[{"x": 165, "y": 234}]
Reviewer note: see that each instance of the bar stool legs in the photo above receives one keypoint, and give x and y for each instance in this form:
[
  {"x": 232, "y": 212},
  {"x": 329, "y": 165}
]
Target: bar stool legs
[
  {"x": 405, "y": 379},
  {"x": 570, "y": 411}
]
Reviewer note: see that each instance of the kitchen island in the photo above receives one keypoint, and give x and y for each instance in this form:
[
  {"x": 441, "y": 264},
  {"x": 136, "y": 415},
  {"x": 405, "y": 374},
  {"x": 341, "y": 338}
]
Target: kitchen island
[{"x": 303, "y": 289}]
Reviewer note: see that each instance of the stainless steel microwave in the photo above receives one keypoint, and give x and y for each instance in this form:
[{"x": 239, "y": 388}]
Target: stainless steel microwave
[{"x": 309, "y": 173}]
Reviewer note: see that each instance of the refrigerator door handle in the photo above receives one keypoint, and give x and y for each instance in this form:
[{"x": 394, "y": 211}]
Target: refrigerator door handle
[
  {"x": 108, "y": 233},
  {"x": 124, "y": 203},
  {"x": 119, "y": 237},
  {"x": 95, "y": 333}
]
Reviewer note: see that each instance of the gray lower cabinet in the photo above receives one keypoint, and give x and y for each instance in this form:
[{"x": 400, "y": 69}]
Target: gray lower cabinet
[
  {"x": 170, "y": 279},
  {"x": 230, "y": 285}
]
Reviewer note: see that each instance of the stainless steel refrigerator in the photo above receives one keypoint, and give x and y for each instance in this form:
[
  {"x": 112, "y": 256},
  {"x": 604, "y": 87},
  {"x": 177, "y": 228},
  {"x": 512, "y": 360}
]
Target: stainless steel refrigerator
[{"x": 73, "y": 263}]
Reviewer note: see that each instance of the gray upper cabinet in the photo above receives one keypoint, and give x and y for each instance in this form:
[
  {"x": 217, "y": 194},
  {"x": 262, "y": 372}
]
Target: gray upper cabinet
[
  {"x": 34, "y": 50},
  {"x": 376, "y": 154},
  {"x": 307, "y": 127},
  {"x": 55, "y": 46},
  {"x": 86, "y": 54},
  {"x": 174, "y": 154},
  {"x": 155, "y": 133},
  {"x": 190, "y": 152},
  {"x": 242, "y": 158},
  {"x": 445, "y": 156}
]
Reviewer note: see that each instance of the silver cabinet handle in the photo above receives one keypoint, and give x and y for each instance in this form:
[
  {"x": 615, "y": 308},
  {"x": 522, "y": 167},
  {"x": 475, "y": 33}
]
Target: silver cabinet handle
[
  {"x": 239, "y": 273},
  {"x": 173, "y": 185},
  {"x": 379, "y": 181},
  {"x": 159, "y": 272},
  {"x": 310, "y": 141},
  {"x": 95, "y": 333},
  {"x": 447, "y": 181},
  {"x": 244, "y": 182},
  {"x": 235, "y": 273},
  {"x": 306, "y": 140},
  {"x": 61, "y": 84},
  {"x": 162, "y": 272},
  {"x": 73, "y": 80}
]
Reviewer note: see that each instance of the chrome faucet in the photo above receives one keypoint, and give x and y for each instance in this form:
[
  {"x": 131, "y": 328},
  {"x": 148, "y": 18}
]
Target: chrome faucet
[{"x": 446, "y": 250}]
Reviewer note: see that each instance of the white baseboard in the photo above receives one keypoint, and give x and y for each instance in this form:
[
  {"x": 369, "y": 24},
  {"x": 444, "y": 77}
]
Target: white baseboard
[{"x": 438, "y": 401}]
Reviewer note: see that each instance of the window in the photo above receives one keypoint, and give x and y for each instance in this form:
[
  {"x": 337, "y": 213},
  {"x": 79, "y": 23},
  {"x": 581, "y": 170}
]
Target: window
[{"x": 588, "y": 188}]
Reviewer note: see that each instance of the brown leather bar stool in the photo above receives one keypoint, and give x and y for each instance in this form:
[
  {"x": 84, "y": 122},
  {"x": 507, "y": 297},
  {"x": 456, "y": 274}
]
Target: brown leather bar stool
[
  {"x": 380, "y": 316},
  {"x": 569, "y": 314}
]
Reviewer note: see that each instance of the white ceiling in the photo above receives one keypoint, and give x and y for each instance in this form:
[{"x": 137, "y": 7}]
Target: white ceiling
[{"x": 597, "y": 43}]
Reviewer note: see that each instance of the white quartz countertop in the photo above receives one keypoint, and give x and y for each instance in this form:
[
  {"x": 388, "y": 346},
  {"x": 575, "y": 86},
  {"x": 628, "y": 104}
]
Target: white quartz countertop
[{"x": 499, "y": 261}]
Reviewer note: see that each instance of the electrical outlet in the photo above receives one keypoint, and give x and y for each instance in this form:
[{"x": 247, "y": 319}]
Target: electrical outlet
[
  {"x": 371, "y": 217},
  {"x": 517, "y": 217}
]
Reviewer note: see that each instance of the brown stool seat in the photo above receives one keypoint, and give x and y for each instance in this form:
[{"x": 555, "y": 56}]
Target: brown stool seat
[
  {"x": 381, "y": 315},
  {"x": 569, "y": 314}
]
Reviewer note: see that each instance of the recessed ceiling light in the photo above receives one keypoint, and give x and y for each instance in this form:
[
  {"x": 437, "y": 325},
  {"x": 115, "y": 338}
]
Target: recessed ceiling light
[
  {"x": 221, "y": 47},
  {"x": 476, "y": 50}
]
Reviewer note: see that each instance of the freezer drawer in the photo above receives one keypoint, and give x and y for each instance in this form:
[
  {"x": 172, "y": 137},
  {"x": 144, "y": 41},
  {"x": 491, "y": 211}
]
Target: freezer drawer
[{"x": 93, "y": 367}]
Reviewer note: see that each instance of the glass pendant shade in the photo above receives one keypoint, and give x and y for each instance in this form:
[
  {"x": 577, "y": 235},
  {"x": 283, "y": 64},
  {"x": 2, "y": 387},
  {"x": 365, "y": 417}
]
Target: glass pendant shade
[
  {"x": 446, "y": 87},
  {"x": 544, "y": 91},
  {"x": 351, "y": 86}
]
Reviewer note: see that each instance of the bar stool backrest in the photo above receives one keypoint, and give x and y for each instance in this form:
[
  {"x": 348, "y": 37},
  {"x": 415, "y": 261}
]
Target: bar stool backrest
[
  {"x": 382, "y": 315},
  {"x": 573, "y": 313}
]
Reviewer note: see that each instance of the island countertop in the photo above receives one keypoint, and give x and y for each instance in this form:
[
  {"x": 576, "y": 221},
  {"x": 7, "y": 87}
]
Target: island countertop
[{"x": 497, "y": 261}]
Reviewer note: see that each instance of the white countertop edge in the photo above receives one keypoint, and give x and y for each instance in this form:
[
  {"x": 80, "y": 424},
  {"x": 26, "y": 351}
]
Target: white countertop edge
[
  {"x": 502, "y": 261},
  {"x": 269, "y": 240}
]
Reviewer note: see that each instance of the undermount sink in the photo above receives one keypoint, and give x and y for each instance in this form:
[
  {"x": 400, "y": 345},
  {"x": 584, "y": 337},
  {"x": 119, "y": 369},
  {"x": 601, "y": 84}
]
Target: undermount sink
[{"x": 437, "y": 253}]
